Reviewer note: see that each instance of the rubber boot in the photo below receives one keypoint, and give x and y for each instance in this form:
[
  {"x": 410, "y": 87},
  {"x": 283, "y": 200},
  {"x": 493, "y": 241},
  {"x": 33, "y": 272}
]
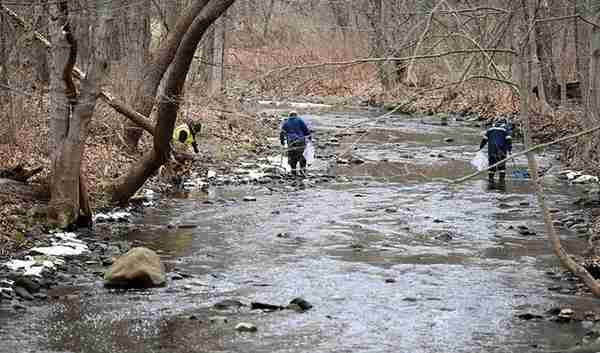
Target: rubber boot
[{"x": 502, "y": 178}]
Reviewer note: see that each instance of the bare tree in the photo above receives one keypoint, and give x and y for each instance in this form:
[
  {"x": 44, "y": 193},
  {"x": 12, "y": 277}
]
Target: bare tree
[
  {"x": 168, "y": 106},
  {"x": 159, "y": 62},
  {"x": 69, "y": 203}
]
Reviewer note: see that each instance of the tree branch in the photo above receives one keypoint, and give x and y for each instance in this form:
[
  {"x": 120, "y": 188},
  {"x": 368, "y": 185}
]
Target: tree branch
[{"x": 117, "y": 105}]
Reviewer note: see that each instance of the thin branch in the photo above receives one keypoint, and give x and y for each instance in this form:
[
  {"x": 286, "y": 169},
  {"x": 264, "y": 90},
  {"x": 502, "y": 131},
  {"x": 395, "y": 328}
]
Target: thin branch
[{"x": 375, "y": 60}]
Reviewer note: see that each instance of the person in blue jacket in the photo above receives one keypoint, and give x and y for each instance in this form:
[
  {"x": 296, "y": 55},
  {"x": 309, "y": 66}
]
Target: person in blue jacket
[
  {"x": 294, "y": 132},
  {"x": 499, "y": 141}
]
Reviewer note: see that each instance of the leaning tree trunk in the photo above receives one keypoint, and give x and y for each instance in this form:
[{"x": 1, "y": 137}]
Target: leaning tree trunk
[
  {"x": 161, "y": 58},
  {"x": 69, "y": 202},
  {"x": 127, "y": 185}
]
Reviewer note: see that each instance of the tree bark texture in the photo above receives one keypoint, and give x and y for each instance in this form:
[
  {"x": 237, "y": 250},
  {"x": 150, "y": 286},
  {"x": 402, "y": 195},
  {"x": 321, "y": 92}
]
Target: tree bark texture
[
  {"x": 216, "y": 64},
  {"x": 59, "y": 105},
  {"x": 582, "y": 51},
  {"x": 69, "y": 200},
  {"x": 377, "y": 41},
  {"x": 5, "y": 96},
  {"x": 160, "y": 60},
  {"x": 127, "y": 185},
  {"x": 544, "y": 50}
]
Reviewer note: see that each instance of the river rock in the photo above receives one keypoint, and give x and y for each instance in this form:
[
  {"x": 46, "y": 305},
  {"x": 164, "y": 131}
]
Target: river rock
[
  {"x": 228, "y": 304},
  {"x": 138, "y": 268},
  {"x": 246, "y": 327},
  {"x": 23, "y": 293},
  {"x": 566, "y": 314},
  {"x": 27, "y": 283},
  {"x": 302, "y": 303},
  {"x": 219, "y": 320}
]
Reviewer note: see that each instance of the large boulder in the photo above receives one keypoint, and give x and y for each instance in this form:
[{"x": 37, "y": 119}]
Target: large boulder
[{"x": 138, "y": 268}]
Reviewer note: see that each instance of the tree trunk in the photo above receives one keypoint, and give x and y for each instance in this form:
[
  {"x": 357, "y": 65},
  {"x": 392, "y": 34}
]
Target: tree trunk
[
  {"x": 69, "y": 202},
  {"x": 340, "y": 12},
  {"x": 377, "y": 42},
  {"x": 160, "y": 60},
  {"x": 582, "y": 49},
  {"x": 563, "y": 67},
  {"x": 5, "y": 95},
  {"x": 268, "y": 14},
  {"x": 41, "y": 61},
  {"x": 218, "y": 53},
  {"x": 544, "y": 50},
  {"x": 127, "y": 185},
  {"x": 59, "y": 107}
]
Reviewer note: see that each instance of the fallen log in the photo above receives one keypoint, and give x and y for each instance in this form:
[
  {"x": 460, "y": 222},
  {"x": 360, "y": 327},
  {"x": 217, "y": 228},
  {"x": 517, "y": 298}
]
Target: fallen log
[{"x": 19, "y": 173}]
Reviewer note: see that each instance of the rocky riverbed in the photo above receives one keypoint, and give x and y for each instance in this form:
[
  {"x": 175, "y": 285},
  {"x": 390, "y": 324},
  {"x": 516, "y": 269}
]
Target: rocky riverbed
[{"x": 384, "y": 251}]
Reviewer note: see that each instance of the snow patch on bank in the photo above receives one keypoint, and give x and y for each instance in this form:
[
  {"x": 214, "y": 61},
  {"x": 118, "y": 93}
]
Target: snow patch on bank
[
  {"x": 63, "y": 245},
  {"x": 112, "y": 217},
  {"x": 576, "y": 177},
  {"x": 31, "y": 267}
]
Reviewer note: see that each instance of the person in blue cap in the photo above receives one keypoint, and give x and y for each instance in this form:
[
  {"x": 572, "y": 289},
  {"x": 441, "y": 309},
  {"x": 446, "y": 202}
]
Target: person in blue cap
[
  {"x": 499, "y": 141},
  {"x": 294, "y": 132}
]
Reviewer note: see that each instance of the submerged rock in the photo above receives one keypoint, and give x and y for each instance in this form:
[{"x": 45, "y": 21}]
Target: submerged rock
[
  {"x": 23, "y": 293},
  {"x": 138, "y": 268},
  {"x": 301, "y": 303},
  {"x": 27, "y": 283},
  {"x": 265, "y": 306},
  {"x": 246, "y": 327},
  {"x": 228, "y": 304},
  {"x": 529, "y": 316},
  {"x": 218, "y": 320}
]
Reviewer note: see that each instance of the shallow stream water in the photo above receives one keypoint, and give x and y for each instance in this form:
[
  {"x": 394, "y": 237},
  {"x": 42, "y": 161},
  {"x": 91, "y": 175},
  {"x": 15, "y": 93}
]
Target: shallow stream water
[{"x": 393, "y": 260}]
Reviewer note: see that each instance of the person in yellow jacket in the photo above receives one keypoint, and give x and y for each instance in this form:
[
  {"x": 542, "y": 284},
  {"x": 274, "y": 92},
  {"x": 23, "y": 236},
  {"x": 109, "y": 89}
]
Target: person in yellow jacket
[{"x": 186, "y": 134}]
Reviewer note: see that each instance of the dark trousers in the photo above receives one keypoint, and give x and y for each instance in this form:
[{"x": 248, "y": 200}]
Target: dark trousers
[
  {"x": 493, "y": 158},
  {"x": 296, "y": 155}
]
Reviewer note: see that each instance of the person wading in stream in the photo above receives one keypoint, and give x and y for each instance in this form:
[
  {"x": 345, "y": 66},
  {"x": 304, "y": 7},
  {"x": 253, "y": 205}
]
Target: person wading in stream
[
  {"x": 186, "y": 134},
  {"x": 499, "y": 141},
  {"x": 294, "y": 132}
]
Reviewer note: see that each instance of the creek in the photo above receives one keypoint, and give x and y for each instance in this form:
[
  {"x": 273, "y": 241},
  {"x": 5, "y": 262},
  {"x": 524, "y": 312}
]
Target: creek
[{"x": 392, "y": 258}]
